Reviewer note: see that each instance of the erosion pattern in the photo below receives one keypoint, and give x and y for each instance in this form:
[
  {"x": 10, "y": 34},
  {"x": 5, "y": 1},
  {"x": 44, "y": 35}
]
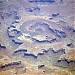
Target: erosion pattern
[{"x": 37, "y": 37}]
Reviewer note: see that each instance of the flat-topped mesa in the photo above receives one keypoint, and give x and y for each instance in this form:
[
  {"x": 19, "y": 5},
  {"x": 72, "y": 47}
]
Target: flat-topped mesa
[
  {"x": 51, "y": 1},
  {"x": 65, "y": 63},
  {"x": 1, "y": 46},
  {"x": 12, "y": 65}
]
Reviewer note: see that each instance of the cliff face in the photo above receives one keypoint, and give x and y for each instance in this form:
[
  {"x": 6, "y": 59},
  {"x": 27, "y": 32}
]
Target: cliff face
[{"x": 37, "y": 37}]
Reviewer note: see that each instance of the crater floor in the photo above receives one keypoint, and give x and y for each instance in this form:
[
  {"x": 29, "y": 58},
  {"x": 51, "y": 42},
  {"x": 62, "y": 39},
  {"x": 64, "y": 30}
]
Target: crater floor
[{"x": 37, "y": 37}]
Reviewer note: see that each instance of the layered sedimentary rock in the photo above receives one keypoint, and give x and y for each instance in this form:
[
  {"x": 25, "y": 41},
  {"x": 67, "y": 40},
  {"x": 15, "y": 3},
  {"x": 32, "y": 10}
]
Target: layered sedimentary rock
[{"x": 38, "y": 33}]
